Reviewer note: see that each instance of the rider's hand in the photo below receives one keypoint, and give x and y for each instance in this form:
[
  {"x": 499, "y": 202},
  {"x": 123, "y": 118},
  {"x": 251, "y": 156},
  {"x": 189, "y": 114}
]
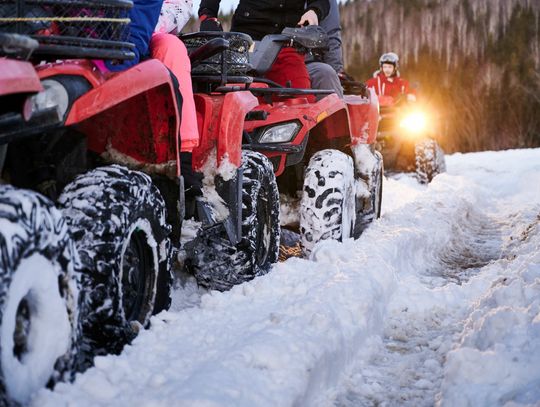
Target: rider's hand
[
  {"x": 345, "y": 77},
  {"x": 209, "y": 24},
  {"x": 309, "y": 18}
]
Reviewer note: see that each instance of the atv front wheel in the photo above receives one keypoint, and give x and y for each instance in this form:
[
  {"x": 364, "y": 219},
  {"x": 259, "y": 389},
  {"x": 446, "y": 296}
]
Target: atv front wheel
[
  {"x": 327, "y": 208},
  {"x": 117, "y": 217},
  {"x": 219, "y": 266},
  {"x": 430, "y": 160},
  {"x": 38, "y": 295}
]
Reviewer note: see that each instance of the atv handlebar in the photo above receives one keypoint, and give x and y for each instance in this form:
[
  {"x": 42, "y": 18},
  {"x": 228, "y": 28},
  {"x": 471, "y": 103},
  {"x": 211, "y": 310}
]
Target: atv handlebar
[
  {"x": 211, "y": 48},
  {"x": 15, "y": 44}
]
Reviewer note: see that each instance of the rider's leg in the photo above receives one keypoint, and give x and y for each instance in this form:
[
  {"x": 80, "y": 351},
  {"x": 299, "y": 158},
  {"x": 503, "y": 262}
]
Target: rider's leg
[
  {"x": 323, "y": 76},
  {"x": 172, "y": 52},
  {"x": 290, "y": 67}
]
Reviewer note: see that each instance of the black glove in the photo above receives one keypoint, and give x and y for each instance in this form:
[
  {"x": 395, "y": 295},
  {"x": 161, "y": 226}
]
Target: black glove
[{"x": 210, "y": 24}]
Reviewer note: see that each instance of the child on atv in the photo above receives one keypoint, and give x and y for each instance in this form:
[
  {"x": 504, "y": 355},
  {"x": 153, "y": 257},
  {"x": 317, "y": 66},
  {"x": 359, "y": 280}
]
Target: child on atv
[
  {"x": 387, "y": 81},
  {"x": 263, "y": 17},
  {"x": 152, "y": 21}
]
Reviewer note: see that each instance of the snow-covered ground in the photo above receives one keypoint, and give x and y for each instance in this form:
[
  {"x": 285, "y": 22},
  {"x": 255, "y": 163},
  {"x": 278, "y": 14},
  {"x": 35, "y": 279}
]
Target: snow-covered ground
[{"x": 437, "y": 303}]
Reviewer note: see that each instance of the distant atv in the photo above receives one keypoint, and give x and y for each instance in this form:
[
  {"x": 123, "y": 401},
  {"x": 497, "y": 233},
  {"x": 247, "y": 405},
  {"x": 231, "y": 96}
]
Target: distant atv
[
  {"x": 406, "y": 139},
  {"x": 324, "y": 149}
]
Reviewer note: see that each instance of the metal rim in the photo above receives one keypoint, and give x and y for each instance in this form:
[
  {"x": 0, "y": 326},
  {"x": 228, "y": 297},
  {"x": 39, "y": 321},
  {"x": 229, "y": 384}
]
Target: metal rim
[
  {"x": 23, "y": 324},
  {"x": 137, "y": 265},
  {"x": 264, "y": 228}
]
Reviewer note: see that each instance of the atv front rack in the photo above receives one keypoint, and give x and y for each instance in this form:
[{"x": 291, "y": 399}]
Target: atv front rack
[
  {"x": 233, "y": 60},
  {"x": 71, "y": 28}
]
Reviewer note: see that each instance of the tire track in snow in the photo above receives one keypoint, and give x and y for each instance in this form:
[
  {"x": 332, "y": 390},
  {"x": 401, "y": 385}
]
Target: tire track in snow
[
  {"x": 476, "y": 241},
  {"x": 405, "y": 368}
]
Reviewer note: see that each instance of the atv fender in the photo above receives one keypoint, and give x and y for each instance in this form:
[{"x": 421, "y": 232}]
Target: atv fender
[
  {"x": 18, "y": 77},
  {"x": 364, "y": 118},
  {"x": 221, "y": 123},
  {"x": 323, "y": 122},
  {"x": 134, "y": 112},
  {"x": 329, "y": 113}
]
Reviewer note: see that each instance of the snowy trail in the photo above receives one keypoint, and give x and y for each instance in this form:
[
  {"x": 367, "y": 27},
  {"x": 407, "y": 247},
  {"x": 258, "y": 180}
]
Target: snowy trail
[
  {"x": 405, "y": 367},
  {"x": 438, "y": 300}
]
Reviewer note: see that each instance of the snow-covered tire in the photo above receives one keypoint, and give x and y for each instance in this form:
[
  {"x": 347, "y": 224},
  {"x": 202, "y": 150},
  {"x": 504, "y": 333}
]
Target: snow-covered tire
[
  {"x": 38, "y": 295},
  {"x": 369, "y": 209},
  {"x": 118, "y": 221},
  {"x": 377, "y": 187},
  {"x": 430, "y": 160},
  {"x": 327, "y": 208},
  {"x": 260, "y": 201},
  {"x": 220, "y": 267}
]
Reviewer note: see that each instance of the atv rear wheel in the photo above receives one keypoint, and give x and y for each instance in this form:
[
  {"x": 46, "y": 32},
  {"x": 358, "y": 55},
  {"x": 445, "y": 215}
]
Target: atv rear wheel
[
  {"x": 327, "y": 208},
  {"x": 117, "y": 217},
  {"x": 38, "y": 295},
  {"x": 218, "y": 265},
  {"x": 430, "y": 160}
]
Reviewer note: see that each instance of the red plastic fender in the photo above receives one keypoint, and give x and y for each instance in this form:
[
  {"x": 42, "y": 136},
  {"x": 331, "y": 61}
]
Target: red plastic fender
[
  {"x": 18, "y": 77},
  {"x": 221, "y": 123},
  {"x": 364, "y": 118},
  {"x": 74, "y": 67},
  {"x": 120, "y": 87}
]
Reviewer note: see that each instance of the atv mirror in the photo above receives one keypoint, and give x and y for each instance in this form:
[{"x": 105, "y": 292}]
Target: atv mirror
[{"x": 211, "y": 48}]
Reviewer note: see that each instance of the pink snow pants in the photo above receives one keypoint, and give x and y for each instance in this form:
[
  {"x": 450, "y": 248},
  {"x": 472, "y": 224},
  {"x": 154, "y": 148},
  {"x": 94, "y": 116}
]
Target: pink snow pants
[{"x": 171, "y": 51}]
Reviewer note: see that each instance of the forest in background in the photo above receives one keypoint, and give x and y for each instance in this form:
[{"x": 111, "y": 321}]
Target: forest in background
[{"x": 476, "y": 63}]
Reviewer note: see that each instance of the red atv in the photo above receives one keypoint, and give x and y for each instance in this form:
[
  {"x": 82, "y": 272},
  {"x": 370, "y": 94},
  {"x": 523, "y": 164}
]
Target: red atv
[
  {"x": 323, "y": 149},
  {"x": 86, "y": 244},
  {"x": 407, "y": 141}
]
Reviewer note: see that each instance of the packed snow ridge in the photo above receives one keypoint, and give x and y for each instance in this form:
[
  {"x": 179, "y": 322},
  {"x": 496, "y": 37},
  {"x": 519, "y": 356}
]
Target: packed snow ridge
[{"x": 438, "y": 303}]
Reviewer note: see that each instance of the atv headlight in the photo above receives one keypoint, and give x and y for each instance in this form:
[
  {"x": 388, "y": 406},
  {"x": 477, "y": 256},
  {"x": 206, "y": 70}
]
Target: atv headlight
[
  {"x": 415, "y": 122},
  {"x": 53, "y": 96},
  {"x": 281, "y": 133}
]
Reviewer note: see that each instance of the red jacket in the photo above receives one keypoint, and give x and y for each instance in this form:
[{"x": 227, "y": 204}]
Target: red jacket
[{"x": 383, "y": 86}]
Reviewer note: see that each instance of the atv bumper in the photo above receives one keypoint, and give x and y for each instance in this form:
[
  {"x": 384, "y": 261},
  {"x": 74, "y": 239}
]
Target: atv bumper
[{"x": 13, "y": 126}]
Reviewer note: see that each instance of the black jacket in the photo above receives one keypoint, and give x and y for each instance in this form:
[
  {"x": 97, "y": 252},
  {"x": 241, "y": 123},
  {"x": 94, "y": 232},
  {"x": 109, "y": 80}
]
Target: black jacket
[{"x": 261, "y": 17}]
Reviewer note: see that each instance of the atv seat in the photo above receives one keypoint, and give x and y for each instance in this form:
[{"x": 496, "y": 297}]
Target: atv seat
[{"x": 265, "y": 54}]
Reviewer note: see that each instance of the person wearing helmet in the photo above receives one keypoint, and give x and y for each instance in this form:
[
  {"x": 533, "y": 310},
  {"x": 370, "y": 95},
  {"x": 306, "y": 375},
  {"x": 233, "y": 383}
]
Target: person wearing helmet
[{"x": 387, "y": 81}]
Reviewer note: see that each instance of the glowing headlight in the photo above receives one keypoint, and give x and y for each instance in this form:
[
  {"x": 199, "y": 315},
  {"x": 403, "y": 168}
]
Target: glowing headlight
[
  {"x": 414, "y": 122},
  {"x": 281, "y": 133},
  {"x": 54, "y": 95}
]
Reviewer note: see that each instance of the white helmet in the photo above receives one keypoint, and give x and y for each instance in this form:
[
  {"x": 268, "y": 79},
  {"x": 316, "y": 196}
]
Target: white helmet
[{"x": 389, "y": 58}]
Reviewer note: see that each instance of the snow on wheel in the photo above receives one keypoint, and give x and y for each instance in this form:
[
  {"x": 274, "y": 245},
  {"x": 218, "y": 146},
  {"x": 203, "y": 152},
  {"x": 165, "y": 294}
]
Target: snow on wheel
[
  {"x": 219, "y": 266},
  {"x": 370, "y": 169},
  {"x": 430, "y": 160},
  {"x": 376, "y": 195},
  {"x": 38, "y": 295},
  {"x": 117, "y": 217},
  {"x": 327, "y": 208}
]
